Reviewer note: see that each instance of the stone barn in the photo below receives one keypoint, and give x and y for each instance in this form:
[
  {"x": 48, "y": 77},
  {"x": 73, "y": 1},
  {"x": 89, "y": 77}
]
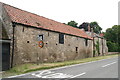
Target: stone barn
[
  {"x": 34, "y": 38},
  {"x": 99, "y": 42},
  {"x": 100, "y": 45}
]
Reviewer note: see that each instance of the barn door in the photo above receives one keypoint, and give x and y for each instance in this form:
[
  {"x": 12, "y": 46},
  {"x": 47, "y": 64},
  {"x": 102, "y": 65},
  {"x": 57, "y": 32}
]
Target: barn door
[{"x": 5, "y": 56}]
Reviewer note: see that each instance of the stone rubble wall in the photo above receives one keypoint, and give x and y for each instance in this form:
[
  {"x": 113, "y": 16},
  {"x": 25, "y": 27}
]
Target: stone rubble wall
[{"x": 52, "y": 50}]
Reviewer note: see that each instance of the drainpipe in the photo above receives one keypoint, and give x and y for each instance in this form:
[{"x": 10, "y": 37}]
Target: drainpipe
[{"x": 12, "y": 56}]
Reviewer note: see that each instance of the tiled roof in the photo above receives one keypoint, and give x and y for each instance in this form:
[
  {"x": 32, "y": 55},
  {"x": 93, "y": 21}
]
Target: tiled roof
[{"x": 27, "y": 18}]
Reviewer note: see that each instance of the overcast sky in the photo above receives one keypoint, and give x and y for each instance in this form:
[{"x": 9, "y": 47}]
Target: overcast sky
[{"x": 105, "y": 12}]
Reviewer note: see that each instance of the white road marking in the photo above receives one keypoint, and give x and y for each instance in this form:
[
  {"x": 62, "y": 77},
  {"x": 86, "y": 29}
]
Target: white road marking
[
  {"x": 49, "y": 74},
  {"x": 57, "y": 75},
  {"x": 78, "y": 75},
  {"x": 42, "y": 73},
  {"x": 109, "y": 64},
  {"x": 17, "y": 76}
]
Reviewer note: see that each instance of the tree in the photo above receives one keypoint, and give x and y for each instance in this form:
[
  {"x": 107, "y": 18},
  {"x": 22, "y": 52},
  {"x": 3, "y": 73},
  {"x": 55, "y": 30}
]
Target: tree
[
  {"x": 73, "y": 23},
  {"x": 96, "y": 28},
  {"x": 112, "y": 47},
  {"x": 113, "y": 38},
  {"x": 84, "y": 25},
  {"x": 112, "y": 34}
]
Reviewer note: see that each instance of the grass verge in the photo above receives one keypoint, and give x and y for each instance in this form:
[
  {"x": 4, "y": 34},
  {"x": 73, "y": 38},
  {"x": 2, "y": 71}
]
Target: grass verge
[{"x": 25, "y": 68}]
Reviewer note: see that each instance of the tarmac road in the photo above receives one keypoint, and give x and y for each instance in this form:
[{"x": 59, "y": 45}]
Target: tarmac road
[{"x": 107, "y": 68}]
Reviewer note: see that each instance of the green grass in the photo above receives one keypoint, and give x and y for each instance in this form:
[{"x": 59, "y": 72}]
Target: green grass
[{"x": 25, "y": 68}]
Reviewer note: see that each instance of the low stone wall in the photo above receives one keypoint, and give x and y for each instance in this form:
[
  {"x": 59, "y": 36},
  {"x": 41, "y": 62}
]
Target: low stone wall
[{"x": 113, "y": 53}]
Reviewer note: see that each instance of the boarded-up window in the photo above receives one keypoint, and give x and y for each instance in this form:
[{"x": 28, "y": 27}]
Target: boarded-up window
[{"x": 61, "y": 38}]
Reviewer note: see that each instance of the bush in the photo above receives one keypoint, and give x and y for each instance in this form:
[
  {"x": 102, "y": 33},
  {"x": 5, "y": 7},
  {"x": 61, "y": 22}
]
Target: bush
[{"x": 113, "y": 47}]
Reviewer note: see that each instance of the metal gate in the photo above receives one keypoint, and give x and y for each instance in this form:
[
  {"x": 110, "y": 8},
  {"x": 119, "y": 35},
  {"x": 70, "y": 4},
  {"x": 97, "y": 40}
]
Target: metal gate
[{"x": 5, "y": 54}]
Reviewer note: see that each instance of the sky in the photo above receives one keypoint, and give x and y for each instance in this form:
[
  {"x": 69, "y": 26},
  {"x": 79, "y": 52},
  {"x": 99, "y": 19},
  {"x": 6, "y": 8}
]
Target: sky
[{"x": 105, "y": 12}]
